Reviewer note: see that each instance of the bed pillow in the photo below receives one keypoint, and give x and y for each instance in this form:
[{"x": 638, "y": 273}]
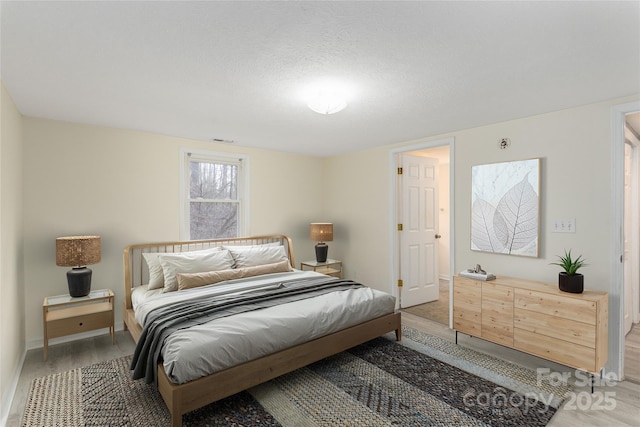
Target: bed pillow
[
  {"x": 257, "y": 255},
  {"x": 192, "y": 280},
  {"x": 156, "y": 275},
  {"x": 192, "y": 262},
  {"x": 261, "y": 245}
]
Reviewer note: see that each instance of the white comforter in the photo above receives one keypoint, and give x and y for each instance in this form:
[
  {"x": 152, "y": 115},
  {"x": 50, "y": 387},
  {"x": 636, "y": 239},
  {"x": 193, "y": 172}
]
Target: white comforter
[{"x": 222, "y": 343}]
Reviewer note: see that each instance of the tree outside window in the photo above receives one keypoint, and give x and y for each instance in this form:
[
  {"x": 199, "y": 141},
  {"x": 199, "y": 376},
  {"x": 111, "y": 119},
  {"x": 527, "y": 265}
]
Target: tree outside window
[{"x": 214, "y": 201}]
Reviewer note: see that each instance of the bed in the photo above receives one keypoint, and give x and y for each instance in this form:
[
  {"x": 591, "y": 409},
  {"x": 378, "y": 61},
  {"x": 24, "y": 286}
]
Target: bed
[{"x": 347, "y": 316}]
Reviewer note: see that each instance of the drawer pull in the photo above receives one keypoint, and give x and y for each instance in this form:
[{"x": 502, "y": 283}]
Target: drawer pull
[{"x": 80, "y": 323}]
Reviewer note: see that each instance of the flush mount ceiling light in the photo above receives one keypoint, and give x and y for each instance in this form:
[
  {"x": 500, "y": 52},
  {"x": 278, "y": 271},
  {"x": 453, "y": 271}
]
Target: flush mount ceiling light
[
  {"x": 326, "y": 97},
  {"x": 327, "y": 102}
]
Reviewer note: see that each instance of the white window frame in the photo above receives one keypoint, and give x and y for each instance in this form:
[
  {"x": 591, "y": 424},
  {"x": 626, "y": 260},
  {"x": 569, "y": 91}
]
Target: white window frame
[{"x": 243, "y": 186}]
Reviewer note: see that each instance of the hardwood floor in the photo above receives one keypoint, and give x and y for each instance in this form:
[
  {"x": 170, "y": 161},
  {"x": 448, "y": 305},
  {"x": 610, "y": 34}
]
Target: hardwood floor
[
  {"x": 632, "y": 354},
  {"x": 626, "y": 394},
  {"x": 437, "y": 311}
]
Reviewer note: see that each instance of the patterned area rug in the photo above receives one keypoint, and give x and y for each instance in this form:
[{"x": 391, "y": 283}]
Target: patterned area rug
[{"x": 424, "y": 381}]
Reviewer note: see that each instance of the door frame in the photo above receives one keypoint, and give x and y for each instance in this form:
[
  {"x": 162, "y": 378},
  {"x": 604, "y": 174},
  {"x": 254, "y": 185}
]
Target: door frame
[
  {"x": 635, "y": 227},
  {"x": 394, "y": 216},
  {"x": 616, "y": 300}
]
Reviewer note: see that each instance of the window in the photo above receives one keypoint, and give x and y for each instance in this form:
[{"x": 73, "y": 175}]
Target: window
[{"x": 213, "y": 196}]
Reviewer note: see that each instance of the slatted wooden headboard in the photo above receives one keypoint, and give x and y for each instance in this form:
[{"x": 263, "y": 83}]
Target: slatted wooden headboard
[{"x": 136, "y": 272}]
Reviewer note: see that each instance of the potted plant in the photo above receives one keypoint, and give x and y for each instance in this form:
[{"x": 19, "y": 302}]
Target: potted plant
[{"x": 570, "y": 280}]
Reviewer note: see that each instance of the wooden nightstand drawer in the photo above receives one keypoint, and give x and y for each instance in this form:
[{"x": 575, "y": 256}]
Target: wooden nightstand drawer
[{"x": 60, "y": 323}]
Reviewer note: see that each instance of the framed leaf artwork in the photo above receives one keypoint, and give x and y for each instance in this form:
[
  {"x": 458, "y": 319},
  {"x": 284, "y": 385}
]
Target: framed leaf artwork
[{"x": 505, "y": 205}]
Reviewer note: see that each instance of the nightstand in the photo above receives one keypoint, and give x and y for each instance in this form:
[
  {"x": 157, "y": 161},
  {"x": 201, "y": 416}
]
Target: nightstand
[
  {"x": 64, "y": 315},
  {"x": 331, "y": 268}
]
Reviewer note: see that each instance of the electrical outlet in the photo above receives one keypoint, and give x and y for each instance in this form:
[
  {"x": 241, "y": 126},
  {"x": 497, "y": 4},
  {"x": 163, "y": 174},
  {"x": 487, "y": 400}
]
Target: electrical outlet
[{"x": 564, "y": 225}]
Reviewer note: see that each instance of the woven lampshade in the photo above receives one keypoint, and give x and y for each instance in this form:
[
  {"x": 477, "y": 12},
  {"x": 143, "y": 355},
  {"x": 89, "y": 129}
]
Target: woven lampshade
[
  {"x": 74, "y": 251},
  {"x": 321, "y": 231}
]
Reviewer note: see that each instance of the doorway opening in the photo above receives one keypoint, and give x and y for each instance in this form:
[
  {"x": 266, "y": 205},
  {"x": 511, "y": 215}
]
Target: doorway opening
[
  {"x": 423, "y": 216},
  {"x": 617, "y": 299},
  {"x": 631, "y": 247}
]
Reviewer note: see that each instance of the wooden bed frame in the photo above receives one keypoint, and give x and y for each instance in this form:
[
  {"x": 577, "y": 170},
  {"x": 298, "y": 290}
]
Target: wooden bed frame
[{"x": 183, "y": 398}]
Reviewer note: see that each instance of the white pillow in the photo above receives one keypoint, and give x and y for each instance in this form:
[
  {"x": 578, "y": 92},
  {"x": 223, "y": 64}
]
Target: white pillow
[
  {"x": 156, "y": 275},
  {"x": 257, "y": 255},
  {"x": 192, "y": 262}
]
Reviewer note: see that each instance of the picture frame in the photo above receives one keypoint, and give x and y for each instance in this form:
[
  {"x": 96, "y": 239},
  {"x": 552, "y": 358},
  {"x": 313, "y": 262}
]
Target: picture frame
[{"x": 505, "y": 207}]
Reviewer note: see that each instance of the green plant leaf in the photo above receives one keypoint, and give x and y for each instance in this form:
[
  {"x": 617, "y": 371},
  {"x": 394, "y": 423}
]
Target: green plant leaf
[{"x": 570, "y": 266}]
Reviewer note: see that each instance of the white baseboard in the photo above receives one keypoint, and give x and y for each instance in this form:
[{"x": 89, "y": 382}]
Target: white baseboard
[{"x": 7, "y": 399}]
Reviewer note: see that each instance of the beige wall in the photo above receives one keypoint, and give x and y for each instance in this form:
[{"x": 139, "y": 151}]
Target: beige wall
[
  {"x": 575, "y": 148},
  {"x": 12, "y": 310},
  {"x": 357, "y": 197},
  {"x": 124, "y": 186}
]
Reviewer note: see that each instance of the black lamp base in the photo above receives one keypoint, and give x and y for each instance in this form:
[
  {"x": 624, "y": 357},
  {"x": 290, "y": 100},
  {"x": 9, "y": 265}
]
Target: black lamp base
[
  {"x": 79, "y": 281},
  {"x": 322, "y": 249}
]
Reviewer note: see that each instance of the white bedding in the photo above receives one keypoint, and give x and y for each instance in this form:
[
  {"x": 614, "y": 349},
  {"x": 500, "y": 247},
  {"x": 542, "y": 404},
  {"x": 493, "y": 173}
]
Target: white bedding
[{"x": 222, "y": 343}]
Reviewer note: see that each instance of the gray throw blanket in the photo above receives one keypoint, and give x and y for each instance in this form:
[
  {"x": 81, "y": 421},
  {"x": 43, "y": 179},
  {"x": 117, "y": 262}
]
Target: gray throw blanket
[{"x": 163, "y": 321}]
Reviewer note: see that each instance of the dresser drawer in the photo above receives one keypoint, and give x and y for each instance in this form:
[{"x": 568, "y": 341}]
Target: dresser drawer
[
  {"x": 557, "y": 305},
  {"x": 556, "y": 327},
  {"x": 557, "y": 350}
]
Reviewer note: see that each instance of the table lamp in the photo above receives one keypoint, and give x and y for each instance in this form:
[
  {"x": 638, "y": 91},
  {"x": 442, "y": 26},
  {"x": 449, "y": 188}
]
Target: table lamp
[
  {"x": 78, "y": 252},
  {"x": 321, "y": 232}
]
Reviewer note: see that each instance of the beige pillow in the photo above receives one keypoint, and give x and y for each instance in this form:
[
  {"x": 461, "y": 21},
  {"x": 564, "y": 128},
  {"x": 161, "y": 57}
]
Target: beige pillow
[{"x": 193, "y": 280}]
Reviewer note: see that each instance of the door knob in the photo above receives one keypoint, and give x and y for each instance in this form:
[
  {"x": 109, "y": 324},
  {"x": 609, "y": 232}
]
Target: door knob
[{"x": 438, "y": 236}]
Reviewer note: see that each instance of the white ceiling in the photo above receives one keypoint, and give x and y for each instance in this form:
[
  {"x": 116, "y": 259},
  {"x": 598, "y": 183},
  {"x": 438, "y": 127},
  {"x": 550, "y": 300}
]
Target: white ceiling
[{"x": 235, "y": 70}]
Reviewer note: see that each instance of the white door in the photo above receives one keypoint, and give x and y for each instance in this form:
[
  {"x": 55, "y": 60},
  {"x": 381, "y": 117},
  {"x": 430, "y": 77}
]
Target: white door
[{"x": 419, "y": 235}]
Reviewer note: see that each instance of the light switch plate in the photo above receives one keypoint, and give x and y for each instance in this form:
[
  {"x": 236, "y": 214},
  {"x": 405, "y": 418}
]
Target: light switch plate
[{"x": 564, "y": 225}]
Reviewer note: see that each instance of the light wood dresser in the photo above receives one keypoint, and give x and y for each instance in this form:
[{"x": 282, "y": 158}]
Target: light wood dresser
[{"x": 534, "y": 317}]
